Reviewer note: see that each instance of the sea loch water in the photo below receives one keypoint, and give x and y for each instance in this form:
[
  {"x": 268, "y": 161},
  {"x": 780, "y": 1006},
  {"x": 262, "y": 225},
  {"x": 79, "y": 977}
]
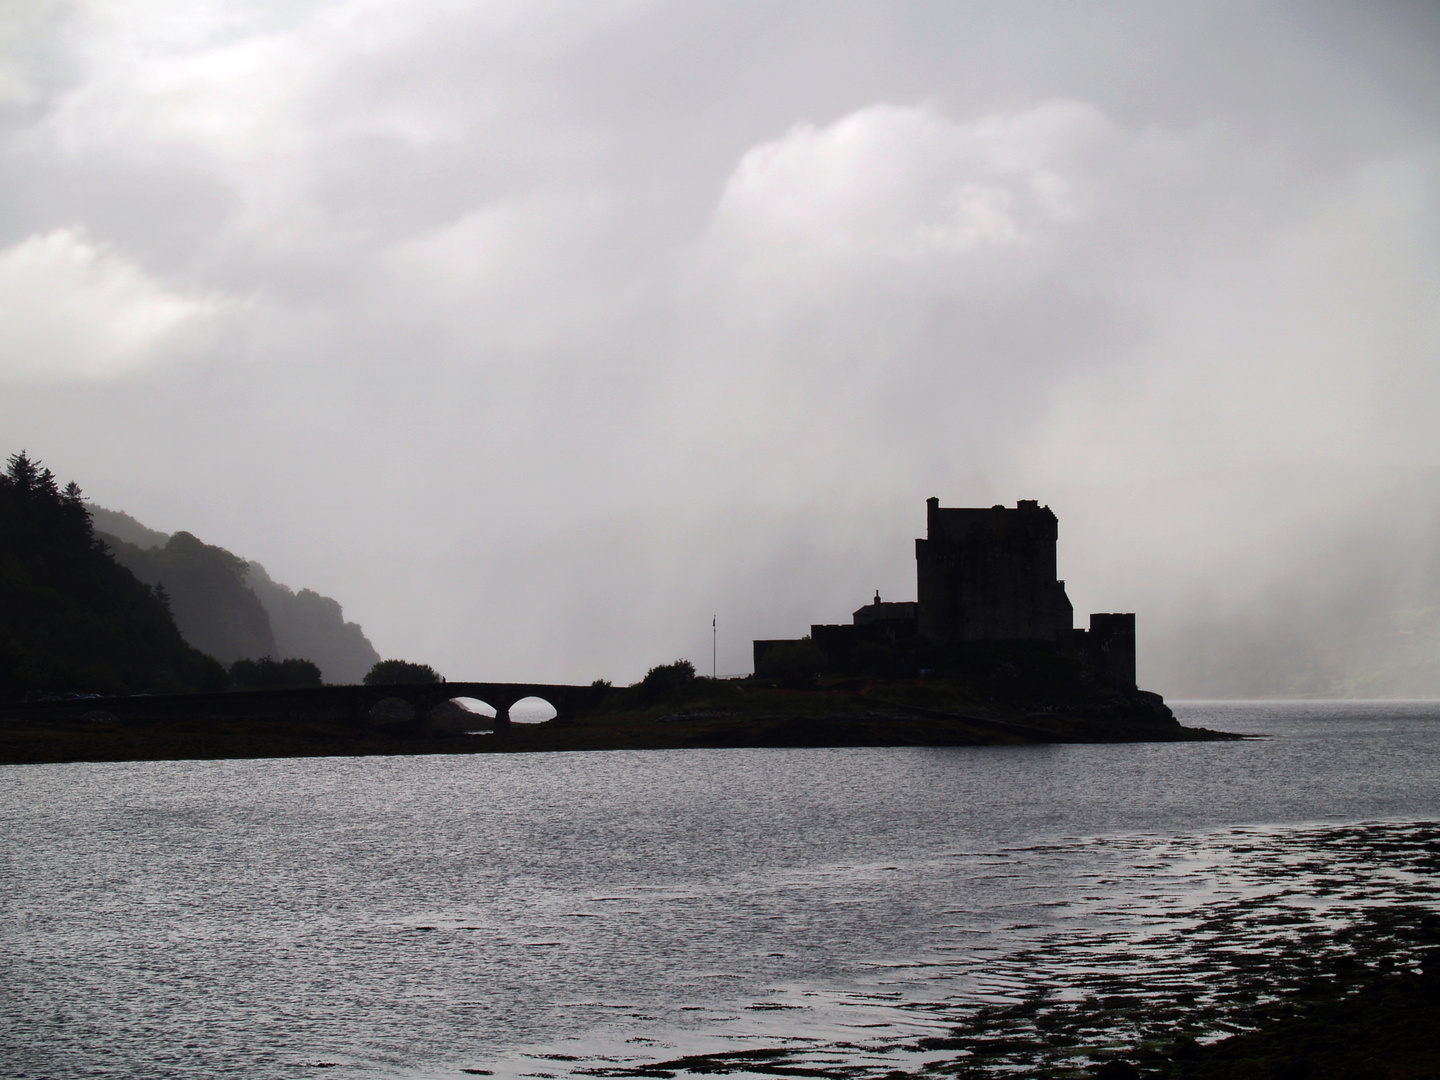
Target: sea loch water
[{"x": 547, "y": 915}]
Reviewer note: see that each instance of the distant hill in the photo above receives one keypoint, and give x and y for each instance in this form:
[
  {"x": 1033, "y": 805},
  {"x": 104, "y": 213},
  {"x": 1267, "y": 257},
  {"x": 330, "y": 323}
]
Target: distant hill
[
  {"x": 71, "y": 618},
  {"x": 313, "y": 626},
  {"x": 215, "y": 610},
  {"x": 122, "y": 526},
  {"x": 231, "y": 608}
]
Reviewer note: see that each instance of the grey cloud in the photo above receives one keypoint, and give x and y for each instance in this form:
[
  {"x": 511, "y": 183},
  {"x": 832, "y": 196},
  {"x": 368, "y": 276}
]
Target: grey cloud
[{"x": 538, "y": 334}]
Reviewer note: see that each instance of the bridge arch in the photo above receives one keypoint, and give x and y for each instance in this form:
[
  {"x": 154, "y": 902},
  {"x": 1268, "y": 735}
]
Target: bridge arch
[{"x": 532, "y": 709}]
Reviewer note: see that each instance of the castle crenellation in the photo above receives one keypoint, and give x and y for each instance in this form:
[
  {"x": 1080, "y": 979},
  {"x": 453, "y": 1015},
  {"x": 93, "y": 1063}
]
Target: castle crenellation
[{"x": 982, "y": 575}]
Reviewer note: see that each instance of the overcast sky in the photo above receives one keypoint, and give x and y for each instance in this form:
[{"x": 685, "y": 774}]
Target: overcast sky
[{"x": 538, "y": 333}]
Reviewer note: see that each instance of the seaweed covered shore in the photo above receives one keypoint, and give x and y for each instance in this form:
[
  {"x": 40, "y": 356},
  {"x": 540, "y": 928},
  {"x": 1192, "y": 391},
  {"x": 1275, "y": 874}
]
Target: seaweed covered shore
[{"x": 1318, "y": 958}]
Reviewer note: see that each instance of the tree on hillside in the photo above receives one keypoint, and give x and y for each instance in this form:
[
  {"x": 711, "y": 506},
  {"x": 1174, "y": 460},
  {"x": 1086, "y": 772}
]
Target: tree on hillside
[
  {"x": 268, "y": 674},
  {"x": 400, "y": 673},
  {"x": 71, "y": 619}
]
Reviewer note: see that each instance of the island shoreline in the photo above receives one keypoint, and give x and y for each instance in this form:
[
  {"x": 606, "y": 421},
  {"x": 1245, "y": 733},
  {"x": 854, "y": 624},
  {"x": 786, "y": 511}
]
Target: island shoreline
[{"x": 36, "y": 740}]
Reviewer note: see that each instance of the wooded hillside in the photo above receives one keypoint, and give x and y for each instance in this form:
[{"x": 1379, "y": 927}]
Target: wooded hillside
[{"x": 71, "y": 618}]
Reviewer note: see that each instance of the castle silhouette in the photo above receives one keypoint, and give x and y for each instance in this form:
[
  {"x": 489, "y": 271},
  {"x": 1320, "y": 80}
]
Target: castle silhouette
[{"x": 982, "y": 576}]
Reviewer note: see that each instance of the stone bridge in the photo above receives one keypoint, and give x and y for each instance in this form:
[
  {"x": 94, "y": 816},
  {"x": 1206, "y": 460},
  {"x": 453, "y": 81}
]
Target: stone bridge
[
  {"x": 566, "y": 700},
  {"x": 344, "y": 704}
]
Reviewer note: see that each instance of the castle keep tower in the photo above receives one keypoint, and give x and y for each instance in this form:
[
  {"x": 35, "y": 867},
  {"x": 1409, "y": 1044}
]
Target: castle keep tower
[
  {"x": 981, "y": 576},
  {"x": 989, "y": 575}
]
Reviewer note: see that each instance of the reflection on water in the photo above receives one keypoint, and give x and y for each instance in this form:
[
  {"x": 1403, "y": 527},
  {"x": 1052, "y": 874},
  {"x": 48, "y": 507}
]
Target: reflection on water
[
  {"x": 1198, "y": 935},
  {"x": 548, "y": 915}
]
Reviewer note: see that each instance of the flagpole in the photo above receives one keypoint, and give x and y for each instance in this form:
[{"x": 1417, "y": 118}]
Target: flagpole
[{"x": 713, "y": 669}]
